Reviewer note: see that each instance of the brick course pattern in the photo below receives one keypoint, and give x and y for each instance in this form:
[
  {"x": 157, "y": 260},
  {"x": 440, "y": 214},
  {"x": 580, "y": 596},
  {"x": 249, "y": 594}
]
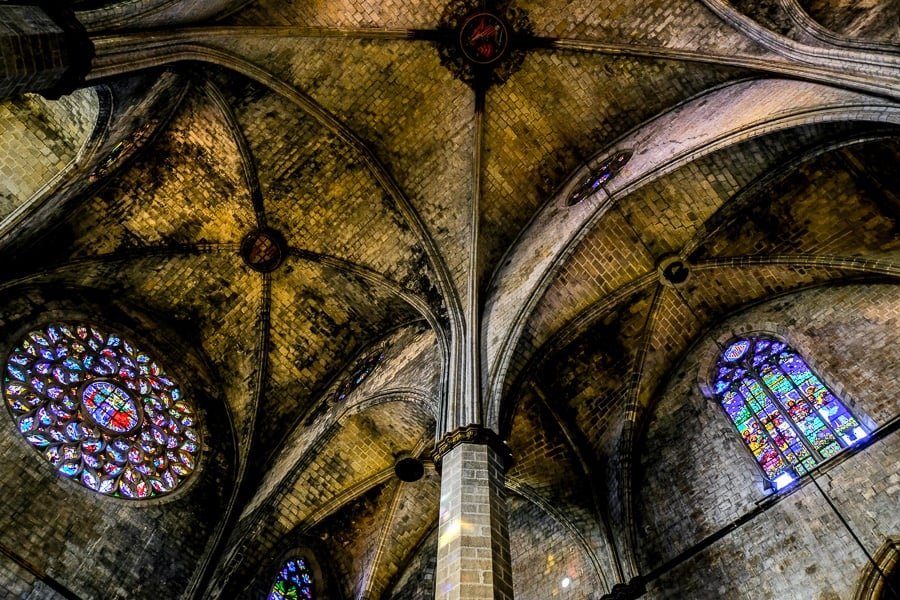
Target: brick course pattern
[
  {"x": 34, "y": 54},
  {"x": 796, "y": 548},
  {"x": 38, "y": 140},
  {"x": 406, "y": 108},
  {"x": 473, "y": 561},
  {"x": 874, "y": 20}
]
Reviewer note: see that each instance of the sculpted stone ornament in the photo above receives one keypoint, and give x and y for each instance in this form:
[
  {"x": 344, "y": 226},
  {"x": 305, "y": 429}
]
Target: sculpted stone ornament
[
  {"x": 472, "y": 434},
  {"x": 483, "y": 38},
  {"x": 263, "y": 250},
  {"x": 482, "y": 44}
]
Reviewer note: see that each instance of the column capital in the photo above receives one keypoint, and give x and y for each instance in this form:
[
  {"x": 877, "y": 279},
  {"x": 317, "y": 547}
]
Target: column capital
[{"x": 472, "y": 434}]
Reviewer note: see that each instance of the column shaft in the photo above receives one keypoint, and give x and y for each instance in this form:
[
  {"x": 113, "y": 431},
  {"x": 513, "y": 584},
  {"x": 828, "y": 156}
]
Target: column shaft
[
  {"x": 41, "y": 50},
  {"x": 473, "y": 561}
]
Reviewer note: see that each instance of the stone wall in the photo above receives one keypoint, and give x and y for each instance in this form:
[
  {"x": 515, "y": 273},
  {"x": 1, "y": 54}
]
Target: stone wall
[
  {"x": 699, "y": 479},
  {"x": 417, "y": 580},
  {"x": 38, "y": 139},
  {"x": 62, "y": 535},
  {"x": 547, "y": 561},
  {"x": 33, "y": 50}
]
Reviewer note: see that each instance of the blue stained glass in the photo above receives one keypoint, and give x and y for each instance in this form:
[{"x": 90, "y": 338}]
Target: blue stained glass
[
  {"x": 359, "y": 374},
  {"x": 88, "y": 427},
  {"x": 90, "y": 479},
  {"x": 70, "y": 469},
  {"x": 38, "y": 440},
  {"x": 294, "y": 582},
  {"x": 19, "y": 359},
  {"x": 16, "y": 373},
  {"x": 786, "y": 417},
  {"x": 26, "y": 424},
  {"x": 736, "y": 350}
]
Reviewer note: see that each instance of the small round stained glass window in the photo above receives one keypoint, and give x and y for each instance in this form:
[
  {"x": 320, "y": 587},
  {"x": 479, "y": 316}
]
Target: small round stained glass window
[
  {"x": 110, "y": 407},
  {"x": 101, "y": 411},
  {"x": 293, "y": 582},
  {"x": 736, "y": 350}
]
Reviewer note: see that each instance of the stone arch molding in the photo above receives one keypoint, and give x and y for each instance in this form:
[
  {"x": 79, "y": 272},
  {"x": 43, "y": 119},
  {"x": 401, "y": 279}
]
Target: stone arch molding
[
  {"x": 154, "y": 13},
  {"x": 718, "y": 119},
  {"x": 84, "y": 118},
  {"x": 886, "y": 560}
]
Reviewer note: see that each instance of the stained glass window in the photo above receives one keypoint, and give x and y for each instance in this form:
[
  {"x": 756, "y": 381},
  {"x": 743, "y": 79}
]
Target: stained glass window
[
  {"x": 293, "y": 582},
  {"x": 787, "y": 417},
  {"x": 598, "y": 177},
  {"x": 101, "y": 411},
  {"x": 362, "y": 371}
]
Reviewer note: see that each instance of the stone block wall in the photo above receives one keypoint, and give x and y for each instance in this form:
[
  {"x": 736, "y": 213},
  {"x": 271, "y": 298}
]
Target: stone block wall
[
  {"x": 38, "y": 139},
  {"x": 94, "y": 546},
  {"x": 472, "y": 556},
  {"x": 547, "y": 561},
  {"x": 33, "y": 52},
  {"x": 698, "y": 479},
  {"x": 417, "y": 580}
]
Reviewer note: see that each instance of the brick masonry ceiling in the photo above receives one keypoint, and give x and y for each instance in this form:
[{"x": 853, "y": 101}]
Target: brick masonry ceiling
[{"x": 399, "y": 193}]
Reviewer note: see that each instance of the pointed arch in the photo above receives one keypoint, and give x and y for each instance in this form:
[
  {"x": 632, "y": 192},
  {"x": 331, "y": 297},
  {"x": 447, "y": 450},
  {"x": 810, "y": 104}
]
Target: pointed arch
[{"x": 788, "y": 419}]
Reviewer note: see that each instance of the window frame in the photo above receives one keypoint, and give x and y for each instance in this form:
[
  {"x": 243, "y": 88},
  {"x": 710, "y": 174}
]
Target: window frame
[
  {"x": 714, "y": 358},
  {"x": 319, "y": 586}
]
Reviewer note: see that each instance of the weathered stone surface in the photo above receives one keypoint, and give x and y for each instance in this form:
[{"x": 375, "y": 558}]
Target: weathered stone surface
[{"x": 336, "y": 124}]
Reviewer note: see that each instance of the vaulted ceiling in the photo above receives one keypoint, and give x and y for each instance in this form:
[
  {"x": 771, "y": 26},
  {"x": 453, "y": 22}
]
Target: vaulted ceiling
[{"x": 336, "y": 124}]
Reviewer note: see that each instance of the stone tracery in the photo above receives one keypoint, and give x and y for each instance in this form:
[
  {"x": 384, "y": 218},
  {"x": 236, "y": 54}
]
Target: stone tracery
[{"x": 101, "y": 411}]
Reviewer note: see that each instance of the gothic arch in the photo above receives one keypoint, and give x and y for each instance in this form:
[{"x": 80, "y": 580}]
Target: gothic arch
[{"x": 872, "y": 583}]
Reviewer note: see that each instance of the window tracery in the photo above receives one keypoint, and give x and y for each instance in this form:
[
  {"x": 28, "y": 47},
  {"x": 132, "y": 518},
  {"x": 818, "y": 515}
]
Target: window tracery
[
  {"x": 788, "y": 419},
  {"x": 293, "y": 582},
  {"x": 101, "y": 411}
]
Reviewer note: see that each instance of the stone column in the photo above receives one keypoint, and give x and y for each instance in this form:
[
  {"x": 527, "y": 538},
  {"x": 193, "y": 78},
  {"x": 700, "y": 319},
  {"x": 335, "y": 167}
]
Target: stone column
[
  {"x": 473, "y": 561},
  {"x": 42, "y": 49}
]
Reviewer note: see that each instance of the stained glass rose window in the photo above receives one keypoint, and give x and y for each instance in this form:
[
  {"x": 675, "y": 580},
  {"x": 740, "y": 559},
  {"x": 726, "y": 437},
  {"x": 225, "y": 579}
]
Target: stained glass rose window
[{"x": 101, "y": 411}]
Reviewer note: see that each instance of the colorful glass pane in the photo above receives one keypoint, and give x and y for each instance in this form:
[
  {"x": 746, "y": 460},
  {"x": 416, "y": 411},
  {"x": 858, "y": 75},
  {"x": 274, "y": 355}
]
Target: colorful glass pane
[
  {"x": 293, "y": 582},
  {"x": 787, "y": 418},
  {"x": 363, "y": 369},
  {"x": 110, "y": 407},
  {"x": 78, "y": 396},
  {"x": 736, "y": 350}
]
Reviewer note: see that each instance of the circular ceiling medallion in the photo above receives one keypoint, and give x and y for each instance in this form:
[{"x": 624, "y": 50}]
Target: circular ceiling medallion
[
  {"x": 481, "y": 46},
  {"x": 263, "y": 250},
  {"x": 483, "y": 38},
  {"x": 673, "y": 270}
]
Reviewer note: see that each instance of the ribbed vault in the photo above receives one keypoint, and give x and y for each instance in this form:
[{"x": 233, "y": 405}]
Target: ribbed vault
[{"x": 422, "y": 219}]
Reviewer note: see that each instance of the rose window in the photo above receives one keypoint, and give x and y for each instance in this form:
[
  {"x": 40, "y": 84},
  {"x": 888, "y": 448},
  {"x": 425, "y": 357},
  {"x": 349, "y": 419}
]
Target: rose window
[{"x": 101, "y": 411}]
